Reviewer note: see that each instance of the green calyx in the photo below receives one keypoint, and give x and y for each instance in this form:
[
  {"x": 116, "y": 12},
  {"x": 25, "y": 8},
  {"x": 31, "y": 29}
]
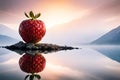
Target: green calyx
[
  {"x": 32, "y": 15},
  {"x": 31, "y": 77}
]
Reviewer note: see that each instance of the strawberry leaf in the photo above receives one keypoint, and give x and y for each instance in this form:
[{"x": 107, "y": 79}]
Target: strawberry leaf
[
  {"x": 38, "y": 77},
  {"x": 32, "y": 15},
  {"x": 26, "y": 15},
  {"x": 26, "y": 77},
  {"x": 37, "y": 15},
  {"x": 31, "y": 77}
]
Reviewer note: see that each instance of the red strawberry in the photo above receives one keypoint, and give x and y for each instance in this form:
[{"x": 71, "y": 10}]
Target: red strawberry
[
  {"x": 32, "y": 30},
  {"x": 32, "y": 64}
]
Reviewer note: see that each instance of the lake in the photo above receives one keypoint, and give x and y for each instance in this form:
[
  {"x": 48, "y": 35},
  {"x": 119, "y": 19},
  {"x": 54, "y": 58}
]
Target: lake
[{"x": 87, "y": 63}]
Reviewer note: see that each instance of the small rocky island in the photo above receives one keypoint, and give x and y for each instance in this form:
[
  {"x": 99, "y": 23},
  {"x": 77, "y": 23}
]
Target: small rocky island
[{"x": 22, "y": 47}]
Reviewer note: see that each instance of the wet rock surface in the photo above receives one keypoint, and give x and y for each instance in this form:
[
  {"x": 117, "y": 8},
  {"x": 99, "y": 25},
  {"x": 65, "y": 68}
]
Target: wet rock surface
[{"x": 22, "y": 47}]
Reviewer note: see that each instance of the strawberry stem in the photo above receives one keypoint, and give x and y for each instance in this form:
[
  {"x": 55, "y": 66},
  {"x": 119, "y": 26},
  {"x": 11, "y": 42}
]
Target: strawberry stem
[
  {"x": 31, "y": 77},
  {"x": 33, "y": 74},
  {"x": 32, "y": 16}
]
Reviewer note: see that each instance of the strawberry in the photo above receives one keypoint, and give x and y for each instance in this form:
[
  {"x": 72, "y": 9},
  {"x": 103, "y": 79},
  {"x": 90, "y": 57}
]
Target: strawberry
[
  {"x": 32, "y": 30},
  {"x": 32, "y": 64}
]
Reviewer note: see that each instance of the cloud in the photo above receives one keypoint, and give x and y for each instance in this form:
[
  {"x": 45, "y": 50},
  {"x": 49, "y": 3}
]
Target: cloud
[
  {"x": 5, "y": 4},
  {"x": 53, "y": 11},
  {"x": 106, "y": 6},
  {"x": 110, "y": 8}
]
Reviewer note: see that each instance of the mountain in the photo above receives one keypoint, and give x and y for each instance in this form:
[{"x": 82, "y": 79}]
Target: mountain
[
  {"x": 112, "y": 37},
  {"x": 5, "y": 40},
  {"x": 4, "y": 30}
]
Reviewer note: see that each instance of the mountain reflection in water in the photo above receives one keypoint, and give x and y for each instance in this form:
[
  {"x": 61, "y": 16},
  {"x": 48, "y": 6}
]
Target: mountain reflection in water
[
  {"x": 112, "y": 52},
  {"x": 88, "y": 63}
]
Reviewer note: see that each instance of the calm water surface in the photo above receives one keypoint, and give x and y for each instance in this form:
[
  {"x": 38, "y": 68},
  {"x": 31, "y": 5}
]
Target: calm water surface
[{"x": 88, "y": 63}]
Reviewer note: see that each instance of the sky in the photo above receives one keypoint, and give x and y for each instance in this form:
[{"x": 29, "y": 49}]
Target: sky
[
  {"x": 88, "y": 15},
  {"x": 59, "y": 11}
]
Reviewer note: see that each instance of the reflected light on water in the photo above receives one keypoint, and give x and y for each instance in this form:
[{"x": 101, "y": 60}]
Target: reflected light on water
[
  {"x": 84, "y": 64},
  {"x": 10, "y": 62},
  {"x": 59, "y": 71}
]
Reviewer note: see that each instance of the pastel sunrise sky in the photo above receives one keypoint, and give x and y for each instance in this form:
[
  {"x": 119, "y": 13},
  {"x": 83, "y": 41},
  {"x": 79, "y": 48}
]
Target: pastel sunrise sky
[{"x": 90, "y": 17}]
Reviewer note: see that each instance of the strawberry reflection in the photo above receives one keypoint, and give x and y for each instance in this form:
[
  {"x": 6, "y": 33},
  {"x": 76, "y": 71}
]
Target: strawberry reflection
[{"x": 32, "y": 64}]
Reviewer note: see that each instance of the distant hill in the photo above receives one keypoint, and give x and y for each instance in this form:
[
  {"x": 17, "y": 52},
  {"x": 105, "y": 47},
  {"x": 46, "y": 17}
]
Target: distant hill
[
  {"x": 112, "y": 37},
  {"x": 5, "y": 40},
  {"x": 4, "y": 30}
]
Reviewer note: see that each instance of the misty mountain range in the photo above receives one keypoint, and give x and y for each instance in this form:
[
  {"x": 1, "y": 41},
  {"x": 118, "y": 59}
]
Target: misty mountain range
[
  {"x": 112, "y": 38},
  {"x": 4, "y": 30},
  {"x": 6, "y": 40},
  {"x": 8, "y": 35}
]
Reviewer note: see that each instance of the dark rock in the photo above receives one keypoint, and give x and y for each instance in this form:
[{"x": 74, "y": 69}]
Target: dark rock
[{"x": 22, "y": 47}]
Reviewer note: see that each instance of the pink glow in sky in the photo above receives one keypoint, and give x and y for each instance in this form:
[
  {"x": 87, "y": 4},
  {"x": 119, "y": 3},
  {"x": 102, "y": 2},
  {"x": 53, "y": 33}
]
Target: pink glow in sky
[
  {"x": 71, "y": 17},
  {"x": 60, "y": 11}
]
